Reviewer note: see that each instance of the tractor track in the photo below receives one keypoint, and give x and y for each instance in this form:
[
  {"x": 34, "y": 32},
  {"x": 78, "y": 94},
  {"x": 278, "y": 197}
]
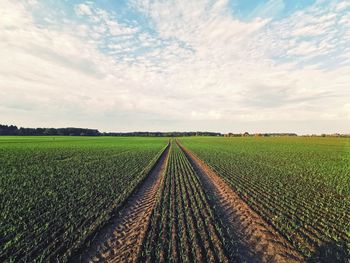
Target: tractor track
[
  {"x": 121, "y": 239},
  {"x": 257, "y": 240}
]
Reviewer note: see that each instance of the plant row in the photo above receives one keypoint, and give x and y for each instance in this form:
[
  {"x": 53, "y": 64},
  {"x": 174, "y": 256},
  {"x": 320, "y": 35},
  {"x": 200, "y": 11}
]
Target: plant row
[
  {"x": 294, "y": 184},
  {"x": 55, "y": 194},
  {"x": 183, "y": 227}
]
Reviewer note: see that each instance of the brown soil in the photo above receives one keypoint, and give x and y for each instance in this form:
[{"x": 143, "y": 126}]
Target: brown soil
[
  {"x": 257, "y": 240},
  {"x": 121, "y": 240}
]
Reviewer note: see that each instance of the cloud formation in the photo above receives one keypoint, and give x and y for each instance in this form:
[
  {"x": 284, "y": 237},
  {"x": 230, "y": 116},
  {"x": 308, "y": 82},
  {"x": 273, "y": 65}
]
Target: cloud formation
[{"x": 175, "y": 65}]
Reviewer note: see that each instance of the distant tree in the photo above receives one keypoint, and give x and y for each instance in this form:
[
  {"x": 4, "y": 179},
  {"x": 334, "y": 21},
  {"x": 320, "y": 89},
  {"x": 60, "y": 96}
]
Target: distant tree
[{"x": 8, "y": 130}]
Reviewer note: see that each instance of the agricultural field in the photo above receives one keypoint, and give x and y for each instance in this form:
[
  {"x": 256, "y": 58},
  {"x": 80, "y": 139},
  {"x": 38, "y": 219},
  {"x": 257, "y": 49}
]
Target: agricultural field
[
  {"x": 301, "y": 186},
  {"x": 55, "y": 191},
  {"x": 182, "y": 226},
  {"x": 188, "y": 199}
]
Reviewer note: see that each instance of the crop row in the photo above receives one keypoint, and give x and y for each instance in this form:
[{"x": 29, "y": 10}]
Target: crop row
[
  {"x": 295, "y": 197},
  {"x": 55, "y": 194},
  {"x": 183, "y": 227}
]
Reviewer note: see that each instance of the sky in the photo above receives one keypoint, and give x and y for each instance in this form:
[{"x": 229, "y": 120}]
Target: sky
[{"x": 176, "y": 65}]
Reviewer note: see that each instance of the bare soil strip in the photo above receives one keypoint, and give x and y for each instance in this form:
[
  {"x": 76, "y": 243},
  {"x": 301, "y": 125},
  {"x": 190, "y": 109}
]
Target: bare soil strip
[
  {"x": 121, "y": 240},
  {"x": 257, "y": 240}
]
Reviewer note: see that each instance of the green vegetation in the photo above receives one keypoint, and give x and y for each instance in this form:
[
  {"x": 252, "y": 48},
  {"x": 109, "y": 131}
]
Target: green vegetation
[
  {"x": 183, "y": 227},
  {"x": 55, "y": 191},
  {"x": 299, "y": 185}
]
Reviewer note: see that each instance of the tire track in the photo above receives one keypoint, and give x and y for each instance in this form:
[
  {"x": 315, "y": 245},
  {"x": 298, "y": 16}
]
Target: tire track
[
  {"x": 121, "y": 239},
  {"x": 257, "y": 240},
  {"x": 183, "y": 227}
]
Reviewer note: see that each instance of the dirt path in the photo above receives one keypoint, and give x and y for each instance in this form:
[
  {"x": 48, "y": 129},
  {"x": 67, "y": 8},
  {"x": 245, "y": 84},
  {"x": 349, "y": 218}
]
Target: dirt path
[
  {"x": 120, "y": 240},
  {"x": 257, "y": 241}
]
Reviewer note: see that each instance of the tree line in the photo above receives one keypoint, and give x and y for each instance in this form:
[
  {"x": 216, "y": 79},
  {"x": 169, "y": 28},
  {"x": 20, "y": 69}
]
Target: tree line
[
  {"x": 71, "y": 131},
  {"x": 162, "y": 134},
  {"x": 14, "y": 130}
]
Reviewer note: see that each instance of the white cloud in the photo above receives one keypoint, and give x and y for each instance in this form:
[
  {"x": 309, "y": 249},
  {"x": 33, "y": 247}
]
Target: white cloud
[
  {"x": 201, "y": 68},
  {"x": 342, "y": 5},
  {"x": 55, "y": 72},
  {"x": 346, "y": 108},
  {"x": 304, "y": 49},
  {"x": 104, "y": 20},
  {"x": 11, "y": 16},
  {"x": 83, "y": 9}
]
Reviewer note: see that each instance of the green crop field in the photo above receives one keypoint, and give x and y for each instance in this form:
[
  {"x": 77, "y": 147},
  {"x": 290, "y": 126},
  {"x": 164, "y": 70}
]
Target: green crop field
[
  {"x": 173, "y": 202},
  {"x": 299, "y": 185},
  {"x": 55, "y": 191}
]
